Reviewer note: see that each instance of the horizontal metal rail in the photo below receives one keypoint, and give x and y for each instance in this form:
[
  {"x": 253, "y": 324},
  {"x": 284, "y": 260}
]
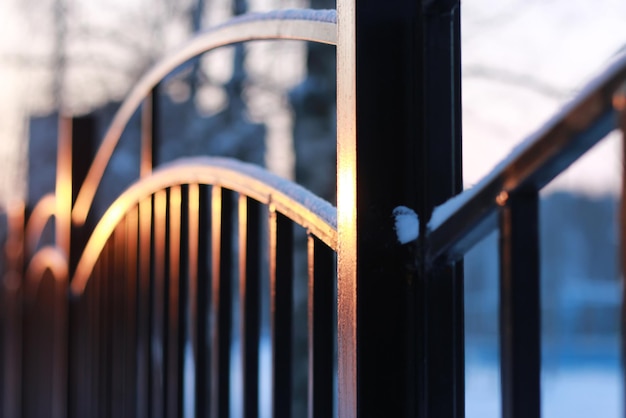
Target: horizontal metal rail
[
  {"x": 305, "y": 25},
  {"x": 296, "y": 203},
  {"x": 466, "y": 219}
]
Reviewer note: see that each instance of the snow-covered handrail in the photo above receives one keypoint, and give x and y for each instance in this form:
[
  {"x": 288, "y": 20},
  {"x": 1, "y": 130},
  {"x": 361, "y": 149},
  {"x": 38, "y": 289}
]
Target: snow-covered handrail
[
  {"x": 298, "y": 204},
  {"x": 465, "y": 219},
  {"x": 303, "y": 24}
]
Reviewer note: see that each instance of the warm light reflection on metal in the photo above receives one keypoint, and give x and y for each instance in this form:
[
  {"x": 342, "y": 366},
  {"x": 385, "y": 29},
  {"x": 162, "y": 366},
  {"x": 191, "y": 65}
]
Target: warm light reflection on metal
[
  {"x": 38, "y": 219},
  {"x": 273, "y": 242},
  {"x": 273, "y": 321},
  {"x": 243, "y": 239},
  {"x": 619, "y": 101},
  {"x": 53, "y": 260},
  {"x": 48, "y": 258},
  {"x": 63, "y": 189},
  {"x": 175, "y": 347},
  {"x": 502, "y": 198},
  {"x": 158, "y": 315},
  {"x": 147, "y": 123},
  {"x": 346, "y": 210},
  {"x": 301, "y": 206},
  {"x": 274, "y": 25},
  {"x": 310, "y": 251},
  {"x": 193, "y": 231},
  {"x": 216, "y": 247},
  {"x": 12, "y": 308},
  {"x": 14, "y": 246}
]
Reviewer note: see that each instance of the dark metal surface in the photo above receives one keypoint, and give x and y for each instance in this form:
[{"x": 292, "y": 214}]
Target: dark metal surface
[
  {"x": 174, "y": 328},
  {"x": 321, "y": 324},
  {"x": 250, "y": 299},
  {"x": 520, "y": 335},
  {"x": 281, "y": 303},
  {"x": 398, "y": 145},
  {"x": 221, "y": 300}
]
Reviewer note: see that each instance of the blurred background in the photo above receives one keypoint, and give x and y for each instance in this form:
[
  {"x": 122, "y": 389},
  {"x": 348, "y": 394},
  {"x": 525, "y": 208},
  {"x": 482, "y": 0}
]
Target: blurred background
[{"x": 274, "y": 104}]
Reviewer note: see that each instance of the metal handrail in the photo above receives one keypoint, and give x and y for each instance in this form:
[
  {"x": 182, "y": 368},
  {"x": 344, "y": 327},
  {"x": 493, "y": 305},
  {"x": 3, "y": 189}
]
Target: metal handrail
[
  {"x": 298, "y": 204},
  {"x": 469, "y": 217},
  {"x": 306, "y": 25}
]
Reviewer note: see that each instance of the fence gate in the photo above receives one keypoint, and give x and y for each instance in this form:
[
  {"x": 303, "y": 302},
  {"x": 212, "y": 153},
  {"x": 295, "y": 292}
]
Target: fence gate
[{"x": 178, "y": 301}]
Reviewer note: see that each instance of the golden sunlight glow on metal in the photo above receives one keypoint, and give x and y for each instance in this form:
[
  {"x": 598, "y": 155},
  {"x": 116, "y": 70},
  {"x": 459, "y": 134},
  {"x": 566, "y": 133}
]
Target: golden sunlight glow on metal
[
  {"x": 296, "y": 203},
  {"x": 48, "y": 258},
  {"x": 63, "y": 189},
  {"x": 43, "y": 211},
  {"x": 346, "y": 210}
]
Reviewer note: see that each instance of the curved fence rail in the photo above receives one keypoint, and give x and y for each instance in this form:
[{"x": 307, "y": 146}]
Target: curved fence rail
[
  {"x": 306, "y": 25},
  {"x": 158, "y": 281}
]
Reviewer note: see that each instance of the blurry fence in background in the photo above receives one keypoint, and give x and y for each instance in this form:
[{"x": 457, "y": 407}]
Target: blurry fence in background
[{"x": 137, "y": 312}]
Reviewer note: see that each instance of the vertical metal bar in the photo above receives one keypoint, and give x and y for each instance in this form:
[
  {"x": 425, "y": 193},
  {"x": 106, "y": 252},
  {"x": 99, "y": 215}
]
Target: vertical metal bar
[
  {"x": 346, "y": 210},
  {"x": 131, "y": 348},
  {"x": 193, "y": 228},
  {"x": 64, "y": 185},
  {"x": 149, "y": 132},
  {"x": 389, "y": 305},
  {"x": 184, "y": 326},
  {"x": 321, "y": 329},
  {"x": 80, "y": 359},
  {"x": 619, "y": 103},
  {"x": 106, "y": 303},
  {"x": 157, "y": 337},
  {"x": 60, "y": 349},
  {"x": 441, "y": 301},
  {"x": 12, "y": 305},
  {"x": 520, "y": 337},
  {"x": 99, "y": 400},
  {"x": 203, "y": 312},
  {"x": 143, "y": 309},
  {"x": 221, "y": 237},
  {"x": 281, "y": 305},
  {"x": 120, "y": 320},
  {"x": 216, "y": 250},
  {"x": 249, "y": 290},
  {"x": 84, "y": 130},
  {"x": 173, "y": 392}
]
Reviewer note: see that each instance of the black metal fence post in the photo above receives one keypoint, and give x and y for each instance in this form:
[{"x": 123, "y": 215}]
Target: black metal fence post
[
  {"x": 400, "y": 323},
  {"x": 520, "y": 343}
]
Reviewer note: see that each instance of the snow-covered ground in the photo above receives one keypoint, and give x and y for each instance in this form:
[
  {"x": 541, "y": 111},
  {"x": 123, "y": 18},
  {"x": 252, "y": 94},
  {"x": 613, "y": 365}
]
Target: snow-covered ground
[{"x": 575, "y": 391}]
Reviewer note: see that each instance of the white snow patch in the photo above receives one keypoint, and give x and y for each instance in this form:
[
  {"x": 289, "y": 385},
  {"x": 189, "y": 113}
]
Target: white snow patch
[
  {"x": 442, "y": 212},
  {"x": 406, "y": 224}
]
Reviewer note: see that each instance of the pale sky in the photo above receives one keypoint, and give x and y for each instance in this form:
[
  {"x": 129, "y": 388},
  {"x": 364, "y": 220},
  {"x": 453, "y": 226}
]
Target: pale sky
[{"x": 522, "y": 59}]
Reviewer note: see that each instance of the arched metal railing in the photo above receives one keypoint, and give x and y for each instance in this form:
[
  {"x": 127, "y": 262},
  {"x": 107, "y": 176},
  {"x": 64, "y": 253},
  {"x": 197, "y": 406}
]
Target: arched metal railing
[
  {"x": 154, "y": 293},
  {"x": 306, "y": 25},
  {"x": 155, "y": 277}
]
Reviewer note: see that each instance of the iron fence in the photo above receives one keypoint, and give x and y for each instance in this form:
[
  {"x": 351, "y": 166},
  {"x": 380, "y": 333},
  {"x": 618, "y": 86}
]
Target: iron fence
[{"x": 140, "y": 318}]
